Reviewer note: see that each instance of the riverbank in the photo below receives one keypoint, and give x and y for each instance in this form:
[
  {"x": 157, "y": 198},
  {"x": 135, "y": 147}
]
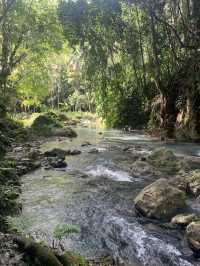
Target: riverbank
[{"x": 22, "y": 158}]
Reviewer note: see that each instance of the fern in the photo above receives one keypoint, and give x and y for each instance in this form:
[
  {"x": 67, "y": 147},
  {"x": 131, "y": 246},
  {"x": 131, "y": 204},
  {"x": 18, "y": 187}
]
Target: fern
[
  {"x": 61, "y": 231},
  {"x": 19, "y": 225}
]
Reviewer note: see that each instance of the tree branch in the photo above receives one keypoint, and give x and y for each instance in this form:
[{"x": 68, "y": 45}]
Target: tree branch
[{"x": 6, "y": 10}]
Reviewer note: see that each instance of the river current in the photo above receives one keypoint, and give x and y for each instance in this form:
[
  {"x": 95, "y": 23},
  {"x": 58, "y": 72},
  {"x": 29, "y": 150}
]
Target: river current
[{"x": 96, "y": 192}]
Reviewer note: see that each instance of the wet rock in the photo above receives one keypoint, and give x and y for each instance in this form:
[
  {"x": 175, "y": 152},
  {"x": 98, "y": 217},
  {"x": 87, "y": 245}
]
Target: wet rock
[
  {"x": 57, "y": 162},
  {"x": 74, "y": 152},
  {"x": 179, "y": 182},
  {"x": 26, "y": 165},
  {"x": 86, "y": 143},
  {"x": 160, "y": 200},
  {"x": 65, "y": 132},
  {"x": 193, "y": 237},
  {"x": 142, "y": 168},
  {"x": 94, "y": 150},
  {"x": 184, "y": 219},
  {"x": 127, "y": 148},
  {"x": 56, "y": 152},
  {"x": 166, "y": 161},
  {"x": 72, "y": 122},
  {"x": 18, "y": 149},
  {"x": 193, "y": 183},
  {"x": 34, "y": 154}
]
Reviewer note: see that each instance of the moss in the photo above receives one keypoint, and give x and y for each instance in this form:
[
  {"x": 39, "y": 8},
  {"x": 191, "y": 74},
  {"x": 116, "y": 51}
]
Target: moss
[
  {"x": 45, "y": 124},
  {"x": 46, "y": 256},
  {"x": 166, "y": 161},
  {"x": 72, "y": 259},
  {"x": 37, "y": 252}
]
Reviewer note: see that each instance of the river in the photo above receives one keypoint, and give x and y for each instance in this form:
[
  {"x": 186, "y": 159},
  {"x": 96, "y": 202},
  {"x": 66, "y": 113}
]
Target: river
[{"x": 96, "y": 192}]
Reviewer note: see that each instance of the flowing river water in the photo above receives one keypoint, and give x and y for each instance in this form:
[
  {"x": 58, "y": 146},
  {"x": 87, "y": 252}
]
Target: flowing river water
[{"x": 96, "y": 192}]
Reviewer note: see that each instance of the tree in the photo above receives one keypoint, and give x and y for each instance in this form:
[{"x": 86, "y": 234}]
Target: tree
[{"x": 27, "y": 27}]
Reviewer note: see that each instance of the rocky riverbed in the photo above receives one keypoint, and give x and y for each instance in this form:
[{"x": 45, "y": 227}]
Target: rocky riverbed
[{"x": 96, "y": 189}]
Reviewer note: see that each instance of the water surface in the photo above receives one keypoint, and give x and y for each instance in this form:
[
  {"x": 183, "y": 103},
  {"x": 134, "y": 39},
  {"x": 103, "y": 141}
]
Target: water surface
[{"x": 96, "y": 192}]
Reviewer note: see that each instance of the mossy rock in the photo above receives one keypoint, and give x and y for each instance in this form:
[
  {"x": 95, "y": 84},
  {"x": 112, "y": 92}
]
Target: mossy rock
[
  {"x": 193, "y": 183},
  {"x": 45, "y": 124},
  {"x": 38, "y": 253},
  {"x": 160, "y": 200},
  {"x": 193, "y": 237},
  {"x": 166, "y": 161},
  {"x": 72, "y": 259},
  {"x": 45, "y": 256}
]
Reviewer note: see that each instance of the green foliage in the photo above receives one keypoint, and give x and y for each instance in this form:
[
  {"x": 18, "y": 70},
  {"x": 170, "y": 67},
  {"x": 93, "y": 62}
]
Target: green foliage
[
  {"x": 130, "y": 51},
  {"x": 72, "y": 259},
  {"x": 62, "y": 231},
  {"x": 19, "y": 224}
]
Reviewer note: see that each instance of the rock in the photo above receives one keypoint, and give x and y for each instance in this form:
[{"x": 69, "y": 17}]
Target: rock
[
  {"x": 193, "y": 237},
  {"x": 71, "y": 122},
  {"x": 45, "y": 123},
  {"x": 193, "y": 183},
  {"x": 57, "y": 162},
  {"x": 56, "y": 152},
  {"x": 75, "y": 152},
  {"x": 34, "y": 250},
  {"x": 142, "y": 168},
  {"x": 94, "y": 150},
  {"x": 65, "y": 132},
  {"x": 160, "y": 200},
  {"x": 179, "y": 182},
  {"x": 128, "y": 148},
  {"x": 34, "y": 154},
  {"x": 184, "y": 219},
  {"x": 166, "y": 161},
  {"x": 18, "y": 149},
  {"x": 86, "y": 143},
  {"x": 9, "y": 256}
]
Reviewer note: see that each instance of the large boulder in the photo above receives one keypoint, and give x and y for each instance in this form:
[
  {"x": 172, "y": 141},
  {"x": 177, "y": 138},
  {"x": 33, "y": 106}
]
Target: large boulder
[
  {"x": 193, "y": 183},
  {"x": 193, "y": 237},
  {"x": 44, "y": 124},
  {"x": 160, "y": 200},
  {"x": 166, "y": 161}
]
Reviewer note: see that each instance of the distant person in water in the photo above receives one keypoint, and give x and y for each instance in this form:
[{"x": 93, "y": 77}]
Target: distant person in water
[{"x": 127, "y": 128}]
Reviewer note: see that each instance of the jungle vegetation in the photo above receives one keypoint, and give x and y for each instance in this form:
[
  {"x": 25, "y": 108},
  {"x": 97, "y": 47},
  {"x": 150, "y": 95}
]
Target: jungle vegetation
[{"x": 133, "y": 62}]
